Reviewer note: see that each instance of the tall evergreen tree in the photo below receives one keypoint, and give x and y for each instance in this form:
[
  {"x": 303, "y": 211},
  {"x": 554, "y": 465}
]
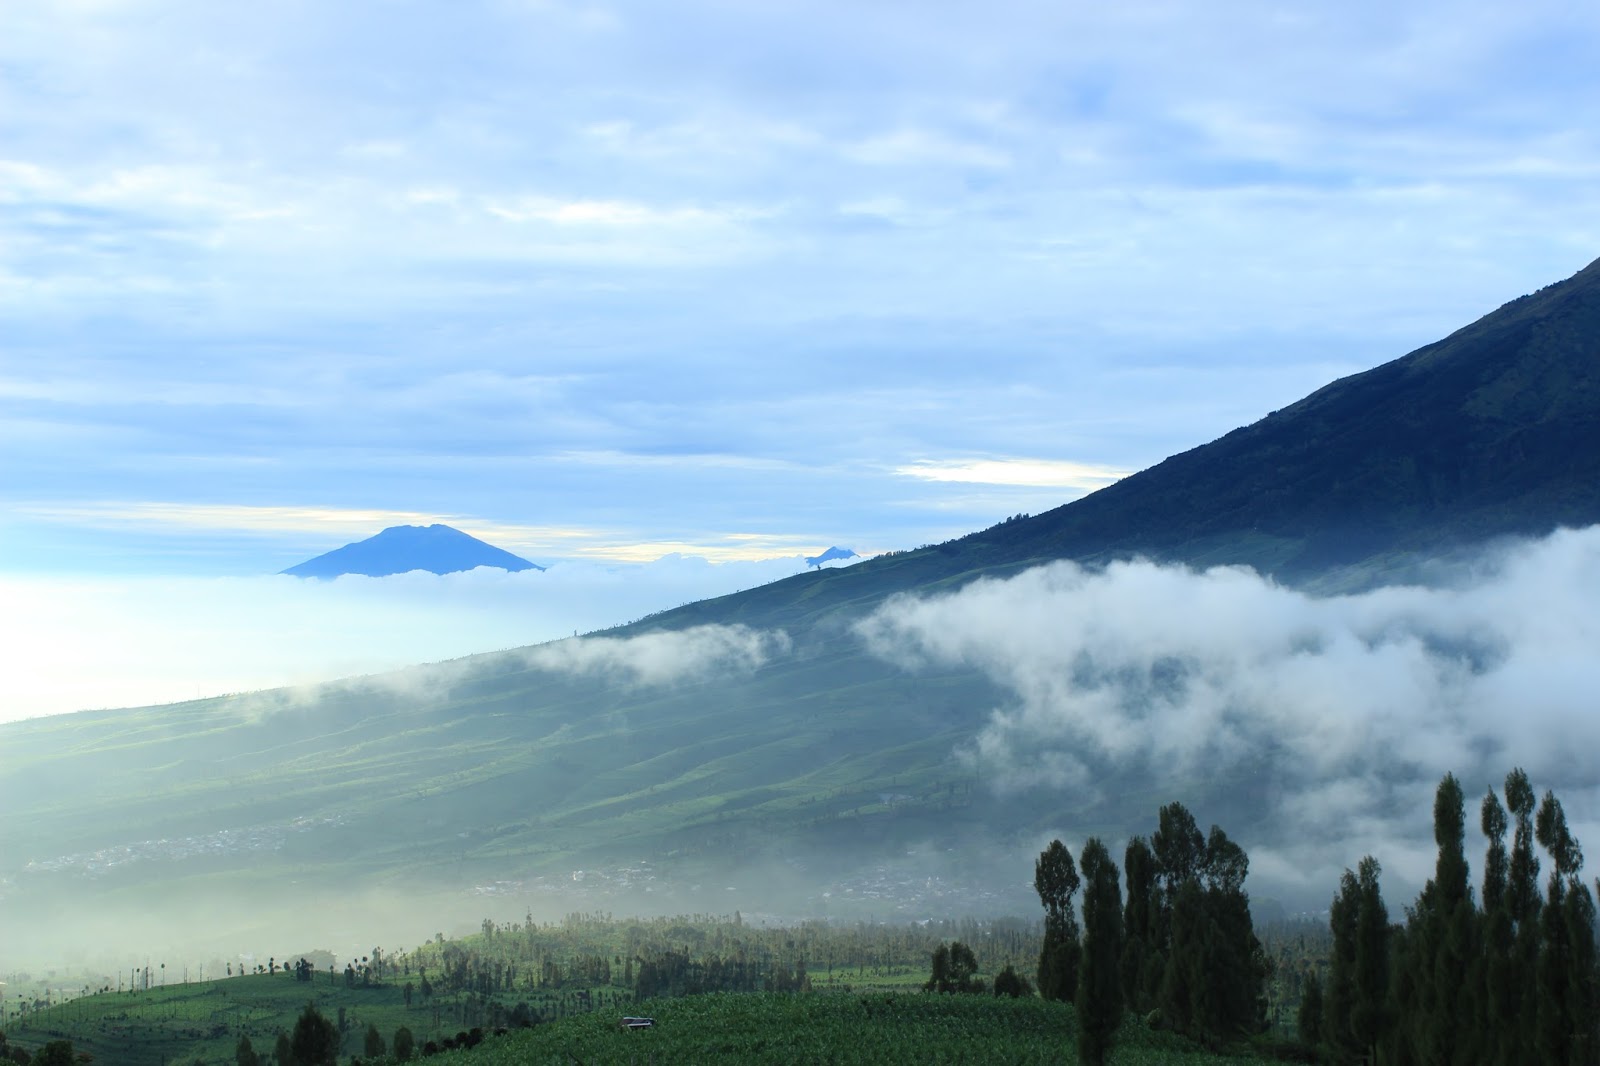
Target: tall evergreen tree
[
  {"x": 1142, "y": 951},
  {"x": 1583, "y": 987},
  {"x": 1565, "y": 1021},
  {"x": 1184, "y": 984},
  {"x": 1343, "y": 921},
  {"x": 1179, "y": 847},
  {"x": 1522, "y": 900},
  {"x": 244, "y": 1054},
  {"x": 1497, "y": 1016},
  {"x": 1368, "y": 1013},
  {"x": 1055, "y": 878},
  {"x": 1440, "y": 951},
  {"x": 1583, "y": 991},
  {"x": 1180, "y": 852},
  {"x": 1099, "y": 998},
  {"x": 1234, "y": 961},
  {"x": 1198, "y": 956}
]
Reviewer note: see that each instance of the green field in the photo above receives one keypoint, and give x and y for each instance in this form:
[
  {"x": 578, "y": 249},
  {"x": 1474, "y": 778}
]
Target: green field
[
  {"x": 185, "y": 1025},
  {"x": 578, "y": 977},
  {"x": 835, "y": 1028}
]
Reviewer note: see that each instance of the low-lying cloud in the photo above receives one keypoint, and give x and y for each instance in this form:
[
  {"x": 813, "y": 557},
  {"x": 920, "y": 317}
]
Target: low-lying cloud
[
  {"x": 77, "y": 643},
  {"x": 665, "y": 657},
  {"x": 1349, "y": 707}
]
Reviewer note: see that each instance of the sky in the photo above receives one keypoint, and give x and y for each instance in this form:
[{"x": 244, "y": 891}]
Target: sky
[{"x": 604, "y": 284}]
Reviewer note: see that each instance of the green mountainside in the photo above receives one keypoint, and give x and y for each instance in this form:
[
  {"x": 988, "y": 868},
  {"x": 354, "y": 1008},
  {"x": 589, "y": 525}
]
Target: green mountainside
[{"x": 804, "y": 781}]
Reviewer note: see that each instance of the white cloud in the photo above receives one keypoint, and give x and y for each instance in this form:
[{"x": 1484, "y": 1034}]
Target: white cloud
[
  {"x": 663, "y": 657},
  {"x": 1356, "y": 705},
  {"x": 1035, "y": 473}
]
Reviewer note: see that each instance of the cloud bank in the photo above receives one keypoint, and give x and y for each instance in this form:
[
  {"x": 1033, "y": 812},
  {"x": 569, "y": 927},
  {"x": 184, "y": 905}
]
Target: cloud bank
[
  {"x": 665, "y": 657},
  {"x": 1346, "y": 711},
  {"x": 76, "y": 643}
]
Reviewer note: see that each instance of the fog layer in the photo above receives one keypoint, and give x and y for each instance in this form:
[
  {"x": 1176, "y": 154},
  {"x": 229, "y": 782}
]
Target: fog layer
[
  {"x": 73, "y": 644},
  {"x": 1348, "y": 709}
]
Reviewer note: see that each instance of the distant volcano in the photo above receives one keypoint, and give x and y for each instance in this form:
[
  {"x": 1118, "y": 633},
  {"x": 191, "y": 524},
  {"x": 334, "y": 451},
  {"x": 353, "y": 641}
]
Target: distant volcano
[
  {"x": 400, "y": 549},
  {"x": 830, "y": 555}
]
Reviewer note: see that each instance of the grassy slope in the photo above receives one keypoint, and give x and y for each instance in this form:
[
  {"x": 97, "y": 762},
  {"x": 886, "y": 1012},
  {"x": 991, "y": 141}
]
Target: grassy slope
[
  {"x": 204, "y": 1021},
  {"x": 845, "y": 1030}
]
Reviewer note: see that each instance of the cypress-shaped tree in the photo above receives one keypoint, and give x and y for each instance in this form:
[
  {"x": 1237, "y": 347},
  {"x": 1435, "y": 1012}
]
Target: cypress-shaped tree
[
  {"x": 1180, "y": 852},
  {"x": 1583, "y": 984},
  {"x": 1099, "y": 998},
  {"x": 1343, "y": 921},
  {"x": 1561, "y": 1011},
  {"x": 1369, "y": 1010},
  {"x": 1522, "y": 903},
  {"x": 1142, "y": 948},
  {"x": 1179, "y": 847},
  {"x": 1185, "y": 983},
  {"x": 1497, "y": 998},
  {"x": 1442, "y": 946},
  {"x": 1055, "y": 878}
]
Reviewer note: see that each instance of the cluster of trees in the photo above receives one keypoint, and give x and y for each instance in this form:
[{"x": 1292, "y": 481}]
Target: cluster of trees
[
  {"x": 955, "y": 969},
  {"x": 677, "y": 973},
  {"x": 1507, "y": 981},
  {"x": 1181, "y": 949},
  {"x": 315, "y": 1042},
  {"x": 55, "y": 1053}
]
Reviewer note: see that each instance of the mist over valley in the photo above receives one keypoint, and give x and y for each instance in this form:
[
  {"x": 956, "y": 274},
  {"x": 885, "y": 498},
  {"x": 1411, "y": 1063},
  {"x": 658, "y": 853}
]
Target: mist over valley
[
  {"x": 875, "y": 741},
  {"x": 587, "y": 531}
]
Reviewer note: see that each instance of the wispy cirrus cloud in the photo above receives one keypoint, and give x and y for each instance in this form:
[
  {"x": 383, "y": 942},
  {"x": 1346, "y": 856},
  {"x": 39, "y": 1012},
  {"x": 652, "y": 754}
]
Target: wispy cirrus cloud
[{"x": 1032, "y": 473}]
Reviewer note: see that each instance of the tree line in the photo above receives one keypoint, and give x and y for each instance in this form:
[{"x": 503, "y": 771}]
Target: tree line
[
  {"x": 1506, "y": 980},
  {"x": 1180, "y": 949}
]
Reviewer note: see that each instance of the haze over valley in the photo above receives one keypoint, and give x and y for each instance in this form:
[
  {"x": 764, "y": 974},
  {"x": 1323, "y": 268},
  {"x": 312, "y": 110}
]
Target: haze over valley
[
  {"x": 914, "y": 720},
  {"x": 513, "y": 468}
]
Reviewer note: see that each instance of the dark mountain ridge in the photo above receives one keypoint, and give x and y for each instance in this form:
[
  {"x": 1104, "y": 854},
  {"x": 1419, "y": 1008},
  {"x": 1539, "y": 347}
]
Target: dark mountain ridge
[
  {"x": 438, "y": 549},
  {"x": 1492, "y": 432}
]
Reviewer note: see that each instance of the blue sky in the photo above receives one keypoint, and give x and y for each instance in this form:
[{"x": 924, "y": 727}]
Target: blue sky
[{"x": 606, "y": 282}]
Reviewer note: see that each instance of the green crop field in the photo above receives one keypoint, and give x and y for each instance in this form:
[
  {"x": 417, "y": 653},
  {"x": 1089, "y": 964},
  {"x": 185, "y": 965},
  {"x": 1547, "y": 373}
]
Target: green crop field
[{"x": 849, "y": 1030}]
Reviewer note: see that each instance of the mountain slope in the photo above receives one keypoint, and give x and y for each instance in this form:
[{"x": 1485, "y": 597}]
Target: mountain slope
[
  {"x": 514, "y": 767},
  {"x": 438, "y": 549},
  {"x": 1493, "y": 431}
]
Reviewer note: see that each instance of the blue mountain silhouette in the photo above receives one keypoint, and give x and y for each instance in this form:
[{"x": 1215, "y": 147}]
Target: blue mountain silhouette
[
  {"x": 438, "y": 549},
  {"x": 831, "y": 554}
]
